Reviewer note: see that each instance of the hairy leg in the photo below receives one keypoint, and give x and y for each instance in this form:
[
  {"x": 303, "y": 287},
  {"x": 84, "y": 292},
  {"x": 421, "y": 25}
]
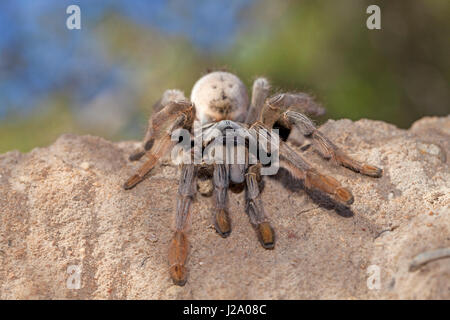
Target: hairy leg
[
  {"x": 222, "y": 221},
  {"x": 255, "y": 209},
  {"x": 327, "y": 149},
  {"x": 160, "y": 148},
  {"x": 276, "y": 105},
  {"x": 261, "y": 90},
  {"x": 301, "y": 169},
  {"x": 285, "y": 109},
  {"x": 168, "y": 96},
  {"x": 175, "y": 115},
  {"x": 179, "y": 245}
]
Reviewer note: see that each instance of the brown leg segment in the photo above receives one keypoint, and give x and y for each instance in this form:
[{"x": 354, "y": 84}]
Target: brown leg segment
[
  {"x": 255, "y": 208},
  {"x": 301, "y": 169},
  {"x": 328, "y": 150},
  {"x": 161, "y": 147},
  {"x": 179, "y": 245},
  {"x": 169, "y": 96},
  {"x": 222, "y": 221},
  {"x": 178, "y": 114},
  {"x": 287, "y": 108}
]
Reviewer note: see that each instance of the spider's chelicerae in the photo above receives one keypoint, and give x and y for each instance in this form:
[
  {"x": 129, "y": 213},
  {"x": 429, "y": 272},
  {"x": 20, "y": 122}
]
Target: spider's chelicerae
[{"x": 220, "y": 100}]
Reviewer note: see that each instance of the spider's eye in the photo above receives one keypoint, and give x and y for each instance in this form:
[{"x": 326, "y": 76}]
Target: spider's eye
[{"x": 214, "y": 86}]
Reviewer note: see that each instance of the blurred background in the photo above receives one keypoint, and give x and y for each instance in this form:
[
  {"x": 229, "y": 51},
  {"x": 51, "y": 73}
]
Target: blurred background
[{"x": 104, "y": 78}]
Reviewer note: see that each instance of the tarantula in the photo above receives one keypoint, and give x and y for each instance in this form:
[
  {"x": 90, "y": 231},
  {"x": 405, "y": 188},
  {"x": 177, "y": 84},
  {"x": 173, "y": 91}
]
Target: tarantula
[{"x": 219, "y": 101}]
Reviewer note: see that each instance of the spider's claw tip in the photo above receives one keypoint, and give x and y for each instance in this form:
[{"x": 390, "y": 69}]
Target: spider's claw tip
[
  {"x": 222, "y": 223},
  {"x": 126, "y": 186},
  {"x": 372, "y": 171},
  {"x": 345, "y": 196},
  {"x": 268, "y": 246},
  {"x": 266, "y": 235},
  {"x": 350, "y": 201},
  {"x": 223, "y": 234},
  {"x": 178, "y": 273},
  {"x": 134, "y": 180}
]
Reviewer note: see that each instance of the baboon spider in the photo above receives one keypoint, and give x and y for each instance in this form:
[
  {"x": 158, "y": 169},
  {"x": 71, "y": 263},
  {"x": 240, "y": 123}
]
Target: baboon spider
[{"x": 219, "y": 100}]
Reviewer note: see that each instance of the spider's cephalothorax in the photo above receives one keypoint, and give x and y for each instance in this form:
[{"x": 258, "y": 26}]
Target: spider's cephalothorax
[{"x": 219, "y": 101}]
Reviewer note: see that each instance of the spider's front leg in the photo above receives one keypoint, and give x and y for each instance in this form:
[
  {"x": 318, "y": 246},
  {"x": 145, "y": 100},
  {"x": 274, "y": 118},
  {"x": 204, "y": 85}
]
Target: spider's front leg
[
  {"x": 179, "y": 245},
  {"x": 284, "y": 109},
  {"x": 168, "y": 96},
  {"x": 301, "y": 169},
  {"x": 221, "y": 179},
  {"x": 177, "y": 114},
  {"x": 255, "y": 209}
]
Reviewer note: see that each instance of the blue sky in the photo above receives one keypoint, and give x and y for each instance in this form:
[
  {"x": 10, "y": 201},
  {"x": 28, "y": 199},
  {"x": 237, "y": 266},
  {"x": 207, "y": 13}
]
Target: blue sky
[{"x": 37, "y": 56}]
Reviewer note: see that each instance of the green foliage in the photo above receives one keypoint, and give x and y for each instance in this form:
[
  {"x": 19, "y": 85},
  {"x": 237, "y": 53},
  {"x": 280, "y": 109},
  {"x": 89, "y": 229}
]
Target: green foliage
[{"x": 397, "y": 74}]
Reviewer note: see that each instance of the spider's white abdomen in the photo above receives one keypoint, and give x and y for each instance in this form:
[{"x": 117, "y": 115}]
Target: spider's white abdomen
[{"x": 220, "y": 96}]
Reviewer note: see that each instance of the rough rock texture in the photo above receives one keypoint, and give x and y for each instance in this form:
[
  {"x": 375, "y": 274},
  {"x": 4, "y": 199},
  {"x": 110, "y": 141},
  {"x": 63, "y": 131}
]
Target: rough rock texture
[{"x": 64, "y": 205}]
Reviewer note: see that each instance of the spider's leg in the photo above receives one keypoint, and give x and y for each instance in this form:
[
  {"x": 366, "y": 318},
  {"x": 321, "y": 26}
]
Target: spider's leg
[
  {"x": 260, "y": 92},
  {"x": 160, "y": 148},
  {"x": 327, "y": 149},
  {"x": 277, "y": 104},
  {"x": 175, "y": 115},
  {"x": 301, "y": 169},
  {"x": 284, "y": 108},
  {"x": 222, "y": 221},
  {"x": 255, "y": 208},
  {"x": 179, "y": 245},
  {"x": 168, "y": 96}
]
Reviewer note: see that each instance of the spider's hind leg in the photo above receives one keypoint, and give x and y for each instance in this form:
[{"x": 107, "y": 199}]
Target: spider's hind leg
[{"x": 255, "y": 209}]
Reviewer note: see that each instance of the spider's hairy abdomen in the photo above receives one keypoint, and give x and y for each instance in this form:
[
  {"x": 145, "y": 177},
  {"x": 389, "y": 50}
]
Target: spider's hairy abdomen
[{"x": 220, "y": 96}]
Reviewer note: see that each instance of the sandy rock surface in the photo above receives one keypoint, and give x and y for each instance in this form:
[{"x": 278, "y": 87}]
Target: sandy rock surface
[{"x": 63, "y": 207}]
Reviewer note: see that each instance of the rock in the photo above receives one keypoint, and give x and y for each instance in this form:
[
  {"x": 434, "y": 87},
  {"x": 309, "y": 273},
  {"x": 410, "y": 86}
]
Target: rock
[{"x": 63, "y": 209}]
